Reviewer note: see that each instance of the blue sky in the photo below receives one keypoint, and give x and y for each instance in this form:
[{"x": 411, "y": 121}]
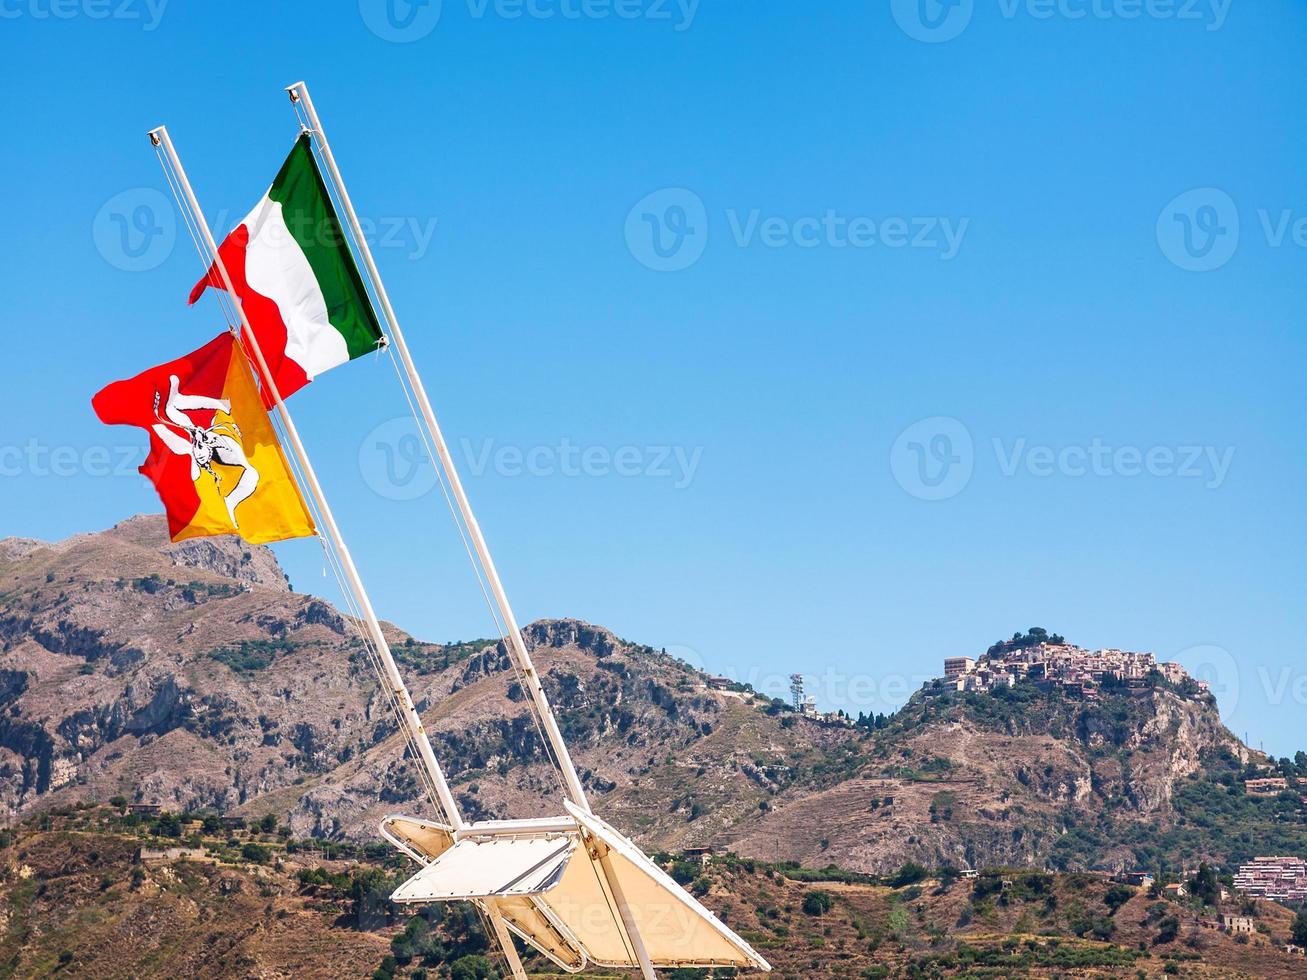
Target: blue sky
[{"x": 836, "y": 339}]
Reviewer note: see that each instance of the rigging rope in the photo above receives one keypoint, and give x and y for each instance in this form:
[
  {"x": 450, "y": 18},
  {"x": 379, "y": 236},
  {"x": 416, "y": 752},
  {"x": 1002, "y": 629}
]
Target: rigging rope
[
  {"x": 554, "y": 763},
  {"x": 353, "y": 608},
  {"x": 227, "y": 306}
]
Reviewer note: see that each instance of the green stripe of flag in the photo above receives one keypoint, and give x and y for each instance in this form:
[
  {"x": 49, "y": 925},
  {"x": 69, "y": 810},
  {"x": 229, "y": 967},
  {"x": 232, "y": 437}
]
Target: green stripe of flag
[{"x": 312, "y": 222}]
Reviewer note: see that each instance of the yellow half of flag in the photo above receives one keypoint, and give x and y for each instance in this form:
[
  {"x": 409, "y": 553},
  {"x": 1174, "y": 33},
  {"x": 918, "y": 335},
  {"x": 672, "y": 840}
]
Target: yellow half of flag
[{"x": 269, "y": 506}]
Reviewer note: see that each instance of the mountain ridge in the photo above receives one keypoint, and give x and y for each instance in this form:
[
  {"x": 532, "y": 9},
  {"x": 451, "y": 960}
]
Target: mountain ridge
[{"x": 190, "y": 675}]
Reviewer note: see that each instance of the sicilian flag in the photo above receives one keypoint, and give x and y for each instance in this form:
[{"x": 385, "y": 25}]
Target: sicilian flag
[
  {"x": 214, "y": 457},
  {"x": 297, "y": 279}
]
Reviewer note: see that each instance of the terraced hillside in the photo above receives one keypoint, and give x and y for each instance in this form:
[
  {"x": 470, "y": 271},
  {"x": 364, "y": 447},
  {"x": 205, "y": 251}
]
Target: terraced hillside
[{"x": 75, "y": 901}]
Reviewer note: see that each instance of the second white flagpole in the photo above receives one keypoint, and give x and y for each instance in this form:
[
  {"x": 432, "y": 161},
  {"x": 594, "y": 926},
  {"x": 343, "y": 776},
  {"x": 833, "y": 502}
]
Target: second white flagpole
[
  {"x": 299, "y": 93},
  {"x": 409, "y": 713}
]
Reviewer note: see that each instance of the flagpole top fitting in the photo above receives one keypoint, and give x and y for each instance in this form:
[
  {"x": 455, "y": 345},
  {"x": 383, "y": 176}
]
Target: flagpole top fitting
[{"x": 154, "y": 136}]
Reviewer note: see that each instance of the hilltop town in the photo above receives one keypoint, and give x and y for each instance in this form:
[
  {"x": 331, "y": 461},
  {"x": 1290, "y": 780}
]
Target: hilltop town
[{"x": 1048, "y": 660}]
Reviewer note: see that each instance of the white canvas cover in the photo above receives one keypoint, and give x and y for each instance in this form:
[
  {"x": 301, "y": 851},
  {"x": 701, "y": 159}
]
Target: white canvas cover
[
  {"x": 574, "y": 918},
  {"x": 493, "y": 866}
]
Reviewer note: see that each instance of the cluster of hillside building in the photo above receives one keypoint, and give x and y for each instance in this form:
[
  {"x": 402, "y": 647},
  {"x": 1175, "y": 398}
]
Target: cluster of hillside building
[
  {"x": 1083, "y": 672},
  {"x": 1281, "y": 879},
  {"x": 1266, "y": 786}
]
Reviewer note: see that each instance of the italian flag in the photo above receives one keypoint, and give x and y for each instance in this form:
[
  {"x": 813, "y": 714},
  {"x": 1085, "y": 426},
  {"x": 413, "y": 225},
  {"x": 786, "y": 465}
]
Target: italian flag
[{"x": 296, "y": 278}]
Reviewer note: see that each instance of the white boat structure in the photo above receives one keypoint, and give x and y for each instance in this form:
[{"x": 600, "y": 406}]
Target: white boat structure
[{"x": 567, "y": 884}]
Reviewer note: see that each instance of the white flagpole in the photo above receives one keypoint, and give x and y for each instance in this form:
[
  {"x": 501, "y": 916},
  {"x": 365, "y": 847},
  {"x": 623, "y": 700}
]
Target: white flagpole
[
  {"x": 299, "y": 92},
  {"x": 409, "y": 713}
]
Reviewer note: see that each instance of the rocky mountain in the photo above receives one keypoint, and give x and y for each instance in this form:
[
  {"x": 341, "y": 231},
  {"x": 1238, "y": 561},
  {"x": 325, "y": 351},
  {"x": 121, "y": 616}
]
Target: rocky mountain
[{"x": 190, "y": 675}]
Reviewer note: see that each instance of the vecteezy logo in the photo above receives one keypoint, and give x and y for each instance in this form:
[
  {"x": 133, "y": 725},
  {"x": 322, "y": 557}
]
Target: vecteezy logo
[
  {"x": 933, "y": 459},
  {"x": 1199, "y": 230},
  {"x": 1218, "y": 668},
  {"x": 932, "y": 21},
  {"x": 400, "y": 21},
  {"x": 135, "y": 230},
  {"x": 667, "y": 230},
  {"x": 394, "y": 461}
]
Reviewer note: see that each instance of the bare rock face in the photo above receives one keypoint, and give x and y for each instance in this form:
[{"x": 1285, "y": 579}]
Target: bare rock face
[
  {"x": 13, "y": 549},
  {"x": 560, "y": 633},
  {"x": 225, "y": 555}
]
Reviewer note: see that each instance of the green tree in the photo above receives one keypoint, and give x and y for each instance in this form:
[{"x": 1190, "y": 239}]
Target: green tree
[
  {"x": 683, "y": 872},
  {"x": 472, "y": 968},
  {"x": 909, "y": 874},
  {"x": 1300, "y": 929},
  {"x": 1205, "y": 886},
  {"x": 817, "y": 903},
  {"x": 268, "y": 824},
  {"x": 1117, "y": 896},
  {"x": 417, "y": 940}
]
